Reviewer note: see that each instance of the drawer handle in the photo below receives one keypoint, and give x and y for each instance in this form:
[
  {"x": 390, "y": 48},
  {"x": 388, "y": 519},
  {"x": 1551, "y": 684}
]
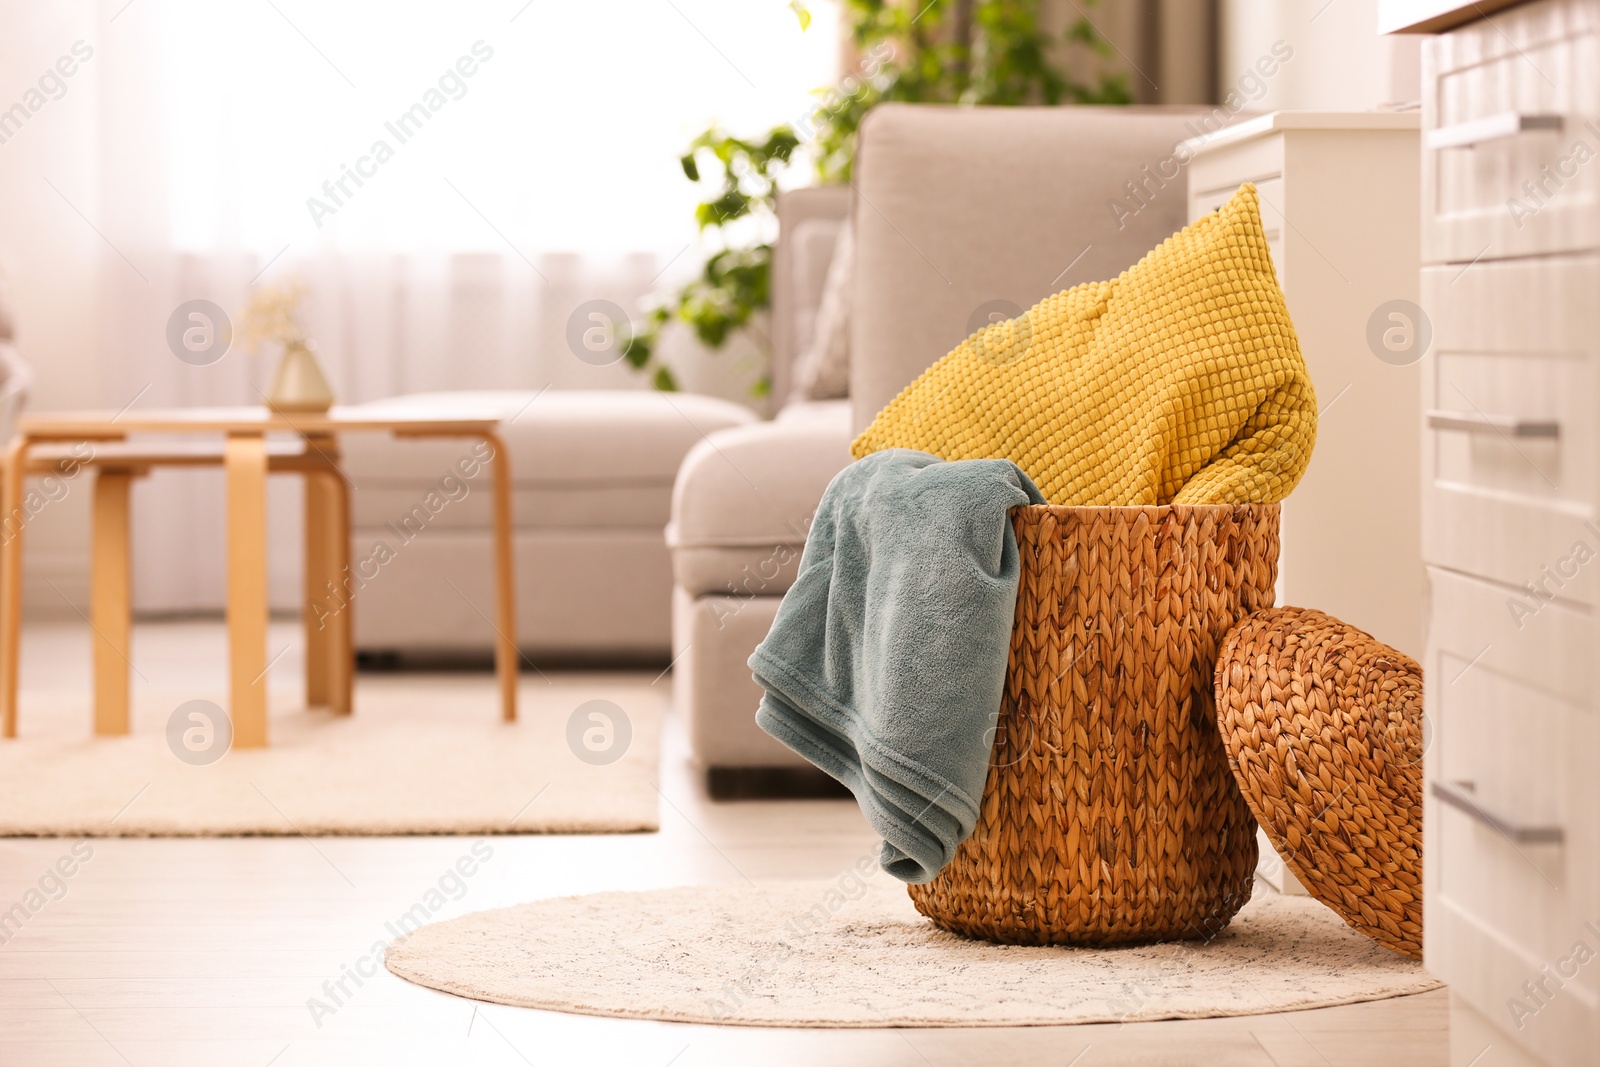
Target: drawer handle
[
  {"x": 1459, "y": 796},
  {"x": 1475, "y": 132},
  {"x": 1500, "y": 425}
]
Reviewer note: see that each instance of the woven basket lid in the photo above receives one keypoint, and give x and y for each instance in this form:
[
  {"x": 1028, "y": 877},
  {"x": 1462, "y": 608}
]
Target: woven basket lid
[{"x": 1323, "y": 726}]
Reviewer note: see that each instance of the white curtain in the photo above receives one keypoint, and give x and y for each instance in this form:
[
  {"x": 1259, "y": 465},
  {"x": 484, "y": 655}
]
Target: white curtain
[{"x": 450, "y": 182}]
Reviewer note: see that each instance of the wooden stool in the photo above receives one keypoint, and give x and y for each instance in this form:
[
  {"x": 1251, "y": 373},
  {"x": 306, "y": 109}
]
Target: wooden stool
[{"x": 329, "y": 669}]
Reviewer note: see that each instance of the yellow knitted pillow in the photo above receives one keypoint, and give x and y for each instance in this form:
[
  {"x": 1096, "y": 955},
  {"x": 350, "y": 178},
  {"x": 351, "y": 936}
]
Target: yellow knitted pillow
[{"x": 1179, "y": 382}]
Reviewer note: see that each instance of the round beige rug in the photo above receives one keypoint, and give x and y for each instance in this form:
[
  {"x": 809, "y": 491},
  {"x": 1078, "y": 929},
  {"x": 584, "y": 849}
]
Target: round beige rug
[{"x": 854, "y": 953}]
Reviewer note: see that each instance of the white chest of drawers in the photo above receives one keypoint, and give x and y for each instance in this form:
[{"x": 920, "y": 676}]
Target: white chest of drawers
[{"x": 1511, "y": 496}]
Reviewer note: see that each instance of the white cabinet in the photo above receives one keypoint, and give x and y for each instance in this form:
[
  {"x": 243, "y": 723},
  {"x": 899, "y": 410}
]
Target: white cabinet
[
  {"x": 1511, "y": 495},
  {"x": 1340, "y": 210}
]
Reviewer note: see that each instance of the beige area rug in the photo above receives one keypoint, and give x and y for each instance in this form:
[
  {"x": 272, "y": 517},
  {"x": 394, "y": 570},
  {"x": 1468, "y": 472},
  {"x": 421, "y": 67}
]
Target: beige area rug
[
  {"x": 806, "y": 954},
  {"x": 421, "y": 755}
]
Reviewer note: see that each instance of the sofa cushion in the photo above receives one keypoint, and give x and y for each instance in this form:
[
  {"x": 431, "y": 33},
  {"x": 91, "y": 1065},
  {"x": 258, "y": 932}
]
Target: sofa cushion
[
  {"x": 812, "y": 246},
  {"x": 800, "y": 261},
  {"x": 604, "y": 593},
  {"x": 467, "y": 504},
  {"x": 822, "y": 371},
  {"x": 744, "y": 499},
  {"x": 579, "y": 459}
]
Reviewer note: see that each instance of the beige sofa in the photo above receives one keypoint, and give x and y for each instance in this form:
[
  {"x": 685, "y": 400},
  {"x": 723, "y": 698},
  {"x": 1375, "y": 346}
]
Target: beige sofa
[
  {"x": 592, "y": 474},
  {"x": 960, "y": 215}
]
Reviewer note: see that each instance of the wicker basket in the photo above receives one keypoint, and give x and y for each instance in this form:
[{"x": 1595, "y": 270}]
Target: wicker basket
[{"x": 1110, "y": 816}]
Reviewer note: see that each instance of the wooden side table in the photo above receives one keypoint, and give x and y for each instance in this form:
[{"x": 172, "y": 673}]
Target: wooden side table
[{"x": 246, "y": 458}]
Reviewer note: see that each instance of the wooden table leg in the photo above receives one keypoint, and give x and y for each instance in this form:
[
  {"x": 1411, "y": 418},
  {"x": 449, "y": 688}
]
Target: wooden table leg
[
  {"x": 330, "y": 595},
  {"x": 329, "y": 611},
  {"x": 322, "y": 605},
  {"x": 12, "y": 520},
  {"x": 245, "y": 461},
  {"x": 342, "y": 646},
  {"x": 111, "y": 600},
  {"x": 507, "y": 656}
]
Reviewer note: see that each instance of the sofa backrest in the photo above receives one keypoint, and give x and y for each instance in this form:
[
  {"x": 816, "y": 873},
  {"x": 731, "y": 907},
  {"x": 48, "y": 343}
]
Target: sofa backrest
[
  {"x": 967, "y": 215},
  {"x": 808, "y": 221}
]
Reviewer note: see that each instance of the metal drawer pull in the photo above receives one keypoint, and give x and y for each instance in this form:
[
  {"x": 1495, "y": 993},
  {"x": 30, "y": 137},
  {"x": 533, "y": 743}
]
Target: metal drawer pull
[
  {"x": 1500, "y": 425},
  {"x": 1459, "y": 795},
  {"x": 1474, "y": 132}
]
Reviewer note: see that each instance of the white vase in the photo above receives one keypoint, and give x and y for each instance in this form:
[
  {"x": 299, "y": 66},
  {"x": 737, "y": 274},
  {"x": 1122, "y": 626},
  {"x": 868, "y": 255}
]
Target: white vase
[{"x": 299, "y": 385}]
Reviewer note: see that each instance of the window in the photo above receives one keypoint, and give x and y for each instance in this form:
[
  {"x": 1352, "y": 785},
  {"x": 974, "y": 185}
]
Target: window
[{"x": 548, "y": 125}]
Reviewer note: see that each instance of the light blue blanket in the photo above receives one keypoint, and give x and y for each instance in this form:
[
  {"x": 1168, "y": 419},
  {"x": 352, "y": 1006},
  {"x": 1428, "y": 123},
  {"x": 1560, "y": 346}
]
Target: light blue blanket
[{"x": 887, "y": 659}]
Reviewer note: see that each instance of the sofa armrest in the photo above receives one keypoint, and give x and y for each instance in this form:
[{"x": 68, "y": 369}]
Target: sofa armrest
[{"x": 745, "y": 496}]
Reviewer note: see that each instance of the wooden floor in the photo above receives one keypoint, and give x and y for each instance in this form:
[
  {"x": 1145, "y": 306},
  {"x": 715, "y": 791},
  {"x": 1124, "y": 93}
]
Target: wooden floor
[{"x": 168, "y": 952}]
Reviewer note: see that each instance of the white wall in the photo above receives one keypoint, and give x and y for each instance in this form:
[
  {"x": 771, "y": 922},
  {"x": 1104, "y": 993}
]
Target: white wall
[{"x": 1340, "y": 63}]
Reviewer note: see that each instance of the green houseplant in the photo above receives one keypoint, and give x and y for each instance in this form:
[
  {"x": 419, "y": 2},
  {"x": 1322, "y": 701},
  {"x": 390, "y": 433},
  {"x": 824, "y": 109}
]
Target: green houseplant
[{"x": 996, "y": 52}]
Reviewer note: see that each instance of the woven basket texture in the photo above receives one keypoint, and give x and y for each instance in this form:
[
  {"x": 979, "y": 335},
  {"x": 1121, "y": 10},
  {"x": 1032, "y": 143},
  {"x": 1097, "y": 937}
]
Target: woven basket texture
[
  {"x": 1323, "y": 725},
  {"x": 1110, "y": 815}
]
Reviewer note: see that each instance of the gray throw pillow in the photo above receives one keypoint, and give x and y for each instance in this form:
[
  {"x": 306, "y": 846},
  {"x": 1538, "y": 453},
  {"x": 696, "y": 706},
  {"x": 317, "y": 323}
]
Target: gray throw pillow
[{"x": 822, "y": 371}]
